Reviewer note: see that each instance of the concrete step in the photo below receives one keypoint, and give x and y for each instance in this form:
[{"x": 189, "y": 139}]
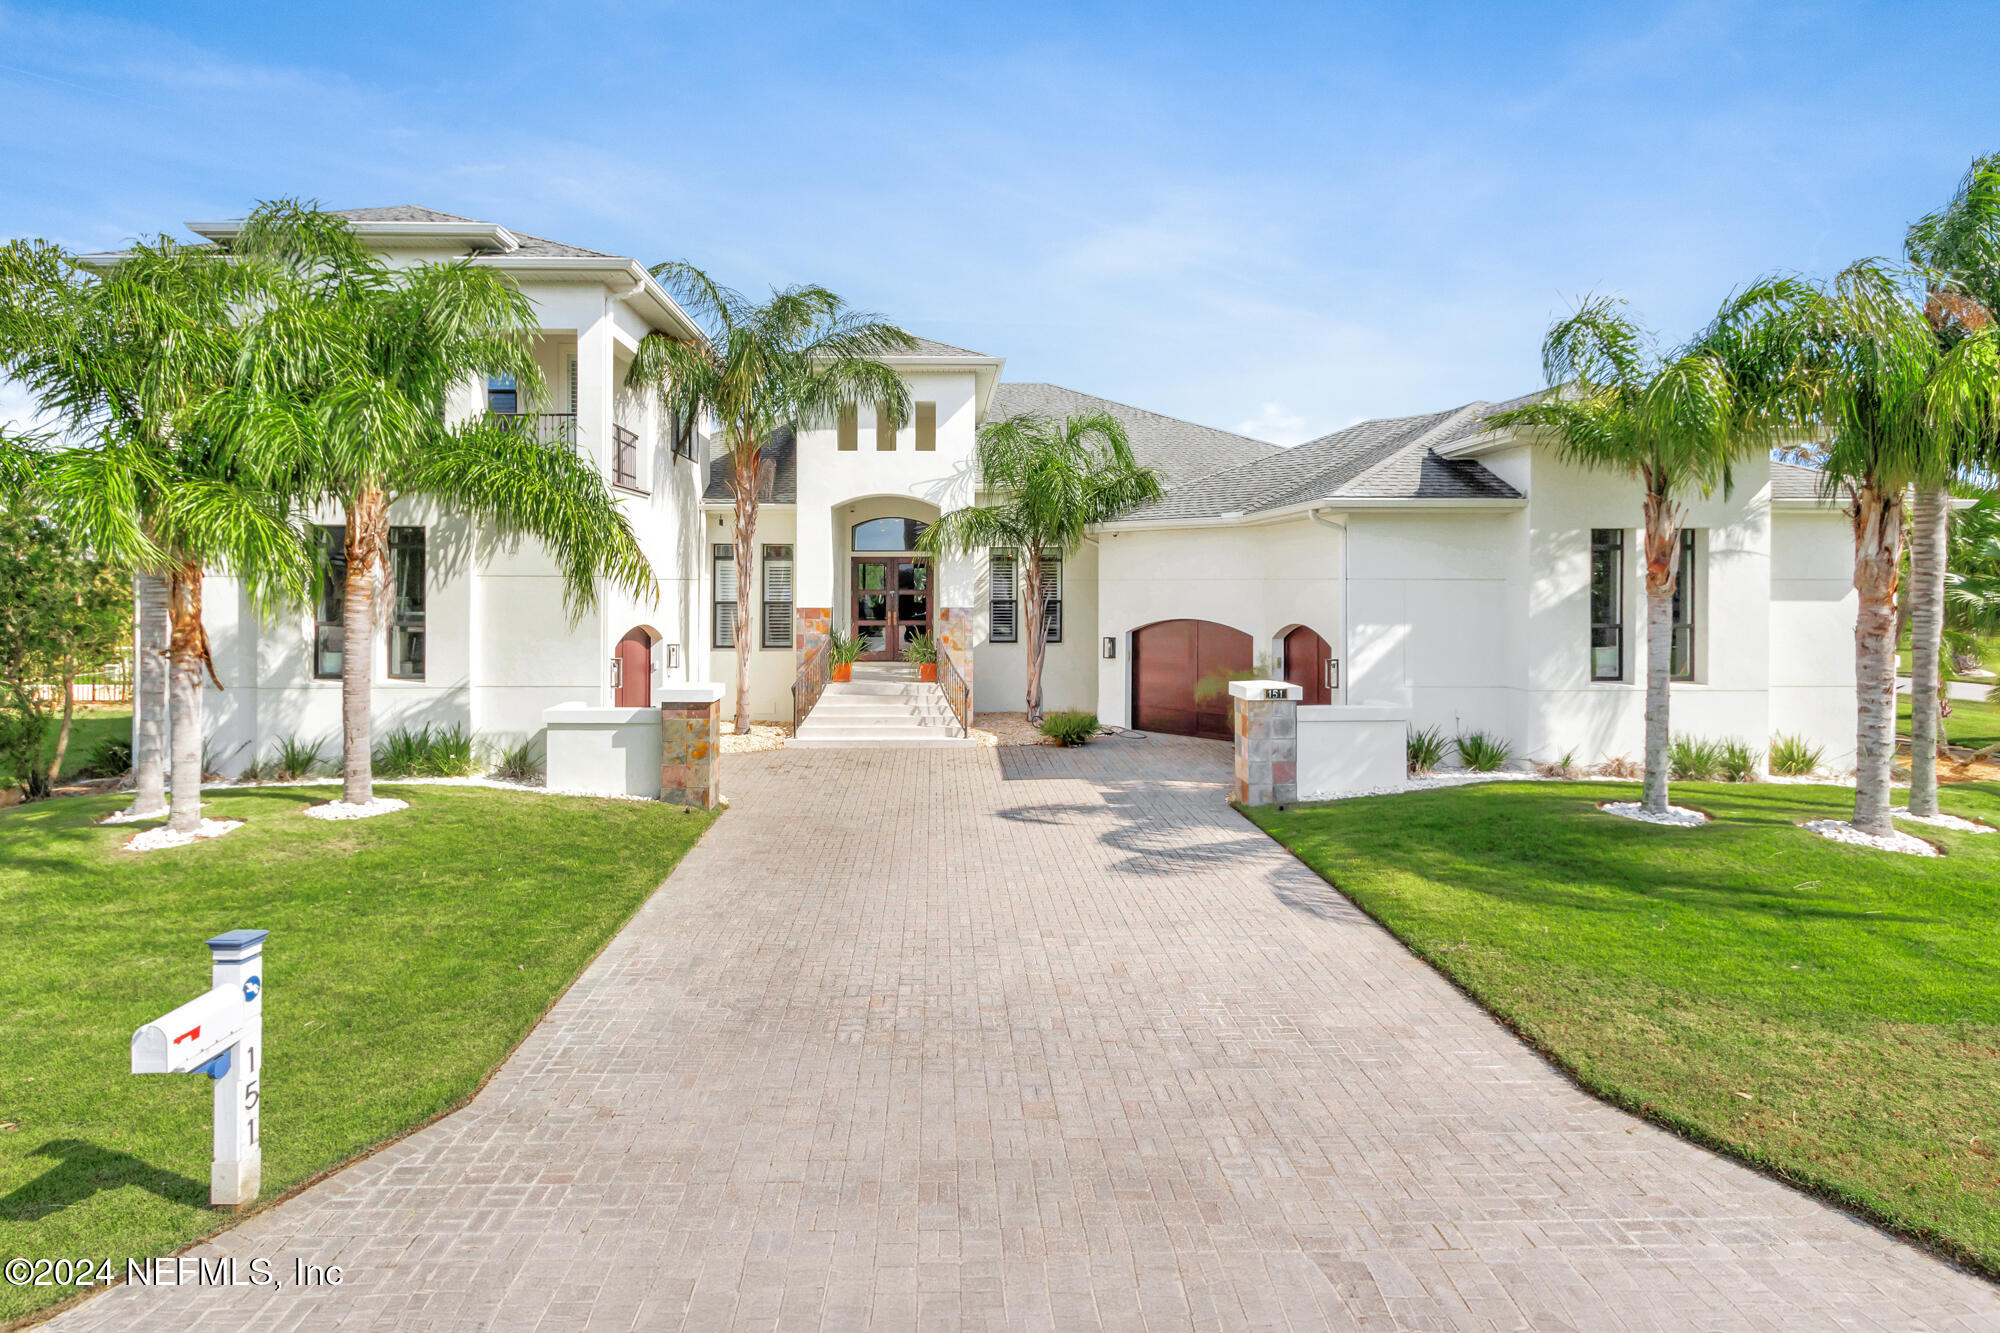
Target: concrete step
[
  {"x": 879, "y": 689},
  {"x": 932, "y": 741},
  {"x": 860, "y": 716},
  {"x": 880, "y": 708}
]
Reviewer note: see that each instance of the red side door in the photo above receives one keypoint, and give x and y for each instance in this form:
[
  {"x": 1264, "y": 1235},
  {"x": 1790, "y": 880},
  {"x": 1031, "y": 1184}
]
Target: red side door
[
  {"x": 635, "y": 671},
  {"x": 1306, "y": 656}
]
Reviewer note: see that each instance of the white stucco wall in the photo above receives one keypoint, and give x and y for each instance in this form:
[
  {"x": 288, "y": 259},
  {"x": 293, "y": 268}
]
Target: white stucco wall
[{"x": 1813, "y": 605}]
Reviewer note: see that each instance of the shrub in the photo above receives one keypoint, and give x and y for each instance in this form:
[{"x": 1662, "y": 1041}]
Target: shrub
[
  {"x": 111, "y": 759},
  {"x": 297, "y": 759},
  {"x": 1741, "y": 761},
  {"x": 1566, "y": 767},
  {"x": 843, "y": 649},
  {"x": 1694, "y": 759},
  {"x": 1424, "y": 750},
  {"x": 517, "y": 763},
  {"x": 425, "y": 752},
  {"x": 1795, "y": 756},
  {"x": 1622, "y": 766},
  {"x": 1482, "y": 753},
  {"x": 920, "y": 650},
  {"x": 1070, "y": 728}
]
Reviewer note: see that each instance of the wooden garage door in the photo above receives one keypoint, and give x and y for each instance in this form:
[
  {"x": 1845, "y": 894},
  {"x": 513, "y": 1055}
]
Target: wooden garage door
[
  {"x": 1306, "y": 656},
  {"x": 1176, "y": 660}
]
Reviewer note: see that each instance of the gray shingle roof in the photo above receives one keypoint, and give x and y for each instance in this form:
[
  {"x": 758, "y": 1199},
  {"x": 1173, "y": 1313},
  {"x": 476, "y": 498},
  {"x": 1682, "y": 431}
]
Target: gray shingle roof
[
  {"x": 1795, "y": 481},
  {"x": 932, "y": 347},
  {"x": 1390, "y": 459},
  {"x": 530, "y": 245},
  {"x": 780, "y": 464},
  {"x": 1179, "y": 449}
]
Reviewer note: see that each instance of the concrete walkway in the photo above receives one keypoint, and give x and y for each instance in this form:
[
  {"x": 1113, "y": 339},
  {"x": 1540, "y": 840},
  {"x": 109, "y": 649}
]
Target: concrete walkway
[{"x": 1038, "y": 1039}]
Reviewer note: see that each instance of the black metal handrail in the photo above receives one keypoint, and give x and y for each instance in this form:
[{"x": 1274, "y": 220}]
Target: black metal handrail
[
  {"x": 953, "y": 687},
  {"x": 542, "y": 427},
  {"x": 815, "y": 671}
]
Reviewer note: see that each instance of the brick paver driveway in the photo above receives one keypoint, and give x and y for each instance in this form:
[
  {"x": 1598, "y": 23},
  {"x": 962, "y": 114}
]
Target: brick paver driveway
[{"x": 1039, "y": 1039}]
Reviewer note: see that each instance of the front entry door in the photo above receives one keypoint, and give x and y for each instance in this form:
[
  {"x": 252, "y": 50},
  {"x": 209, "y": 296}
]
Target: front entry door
[{"x": 892, "y": 603}]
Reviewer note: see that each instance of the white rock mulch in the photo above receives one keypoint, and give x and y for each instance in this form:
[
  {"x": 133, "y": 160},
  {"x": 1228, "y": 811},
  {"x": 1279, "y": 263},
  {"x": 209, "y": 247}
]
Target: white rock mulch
[
  {"x": 1676, "y": 816},
  {"x": 1952, "y": 822},
  {"x": 760, "y": 737},
  {"x": 1841, "y": 831},
  {"x": 134, "y": 816},
  {"x": 381, "y": 805},
  {"x": 157, "y": 839}
]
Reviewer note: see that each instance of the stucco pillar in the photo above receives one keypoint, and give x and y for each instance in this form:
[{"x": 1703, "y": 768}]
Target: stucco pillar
[
  {"x": 690, "y": 745},
  {"x": 1264, "y": 715}
]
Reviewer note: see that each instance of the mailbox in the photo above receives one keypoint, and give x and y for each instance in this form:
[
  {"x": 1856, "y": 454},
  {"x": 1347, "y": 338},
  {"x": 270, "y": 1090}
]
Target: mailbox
[{"x": 221, "y": 1033}]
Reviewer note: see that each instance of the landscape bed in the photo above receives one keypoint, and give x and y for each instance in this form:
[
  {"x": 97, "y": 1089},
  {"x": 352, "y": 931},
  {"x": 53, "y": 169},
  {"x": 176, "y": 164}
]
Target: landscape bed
[
  {"x": 1828, "y": 1013},
  {"x": 408, "y": 955}
]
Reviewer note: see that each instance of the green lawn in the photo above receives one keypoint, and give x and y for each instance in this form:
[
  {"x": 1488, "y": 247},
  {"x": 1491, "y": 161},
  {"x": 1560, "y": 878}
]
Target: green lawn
[
  {"x": 1827, "y": 1012},
  {"x": 408, "y": 955},
  {"x": 1973, "y": 722},
  {"x": 91, "y": 728}
]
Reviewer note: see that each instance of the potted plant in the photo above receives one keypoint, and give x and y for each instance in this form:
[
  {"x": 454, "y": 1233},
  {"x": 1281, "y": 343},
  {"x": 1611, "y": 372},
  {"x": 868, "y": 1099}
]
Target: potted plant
[
  {"x": 843, "y": 649},
  {"x": 922, "y": 650}
]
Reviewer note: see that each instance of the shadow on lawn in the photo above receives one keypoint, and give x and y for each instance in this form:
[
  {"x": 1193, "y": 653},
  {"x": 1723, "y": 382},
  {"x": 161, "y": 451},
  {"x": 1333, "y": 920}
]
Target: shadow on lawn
[
  {"x": 63, "y": 833},
  {"x": 82, "y": 1170}
]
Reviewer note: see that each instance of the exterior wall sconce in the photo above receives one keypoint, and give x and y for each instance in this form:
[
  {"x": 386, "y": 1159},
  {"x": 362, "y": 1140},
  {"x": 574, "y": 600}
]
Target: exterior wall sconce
[
  {"x": 1110, "y": 646},
  {"x": 673, "y": 656},
  {"x": 1333, "y": 673}
]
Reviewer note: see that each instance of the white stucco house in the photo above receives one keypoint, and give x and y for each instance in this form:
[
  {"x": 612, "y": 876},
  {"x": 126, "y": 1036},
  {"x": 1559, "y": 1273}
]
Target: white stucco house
[{"x": 1428, "y": 566}]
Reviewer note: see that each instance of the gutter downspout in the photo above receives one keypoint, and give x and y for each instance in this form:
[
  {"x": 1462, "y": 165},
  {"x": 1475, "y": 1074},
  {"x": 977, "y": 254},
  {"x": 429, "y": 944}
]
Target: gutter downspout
[{"x": 1339, "y": 526}]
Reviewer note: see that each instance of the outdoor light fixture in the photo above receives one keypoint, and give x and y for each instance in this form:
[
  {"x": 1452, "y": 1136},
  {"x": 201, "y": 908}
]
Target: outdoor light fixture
[
  {"x": 1110, "y": 646},
  {"x": 673, "y": 655},
  {"x": 1333, "y": 673}
]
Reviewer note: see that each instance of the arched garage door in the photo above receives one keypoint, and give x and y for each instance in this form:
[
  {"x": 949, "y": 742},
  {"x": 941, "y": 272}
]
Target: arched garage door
[{"x": 1180, "y": 675}]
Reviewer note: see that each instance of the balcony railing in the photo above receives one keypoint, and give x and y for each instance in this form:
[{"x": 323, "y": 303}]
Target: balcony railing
[
  {"x": 625, "y": 459},
  {"x": 542, "y": 427}
]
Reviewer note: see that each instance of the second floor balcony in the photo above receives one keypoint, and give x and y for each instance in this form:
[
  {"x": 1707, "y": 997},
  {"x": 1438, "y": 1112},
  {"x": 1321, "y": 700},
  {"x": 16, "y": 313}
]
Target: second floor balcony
[{"x": 544, "y": 427}]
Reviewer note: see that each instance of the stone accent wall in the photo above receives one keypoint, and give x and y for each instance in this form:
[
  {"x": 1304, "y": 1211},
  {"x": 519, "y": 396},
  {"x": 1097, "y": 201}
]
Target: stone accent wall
[
  {"x": 1267, "y": 742},
  {"x": 954, "y": 630},
  {"x": 810, "y": 627},
  {"x": 690, "y": 753}
]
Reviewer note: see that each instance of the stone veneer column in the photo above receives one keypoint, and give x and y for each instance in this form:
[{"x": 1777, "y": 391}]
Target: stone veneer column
[
  {"x": 955, "y": 637},
  {"x": 1264, "y": 715},
  {"x": 690, "y": 745}
]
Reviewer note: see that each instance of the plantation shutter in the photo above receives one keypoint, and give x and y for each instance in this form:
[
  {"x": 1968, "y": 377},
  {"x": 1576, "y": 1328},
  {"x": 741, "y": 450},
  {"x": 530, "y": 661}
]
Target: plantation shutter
[
  {"x": 1002, "y": 622},
  {"x": 725, "y": 596},
  {"x": 1052, "y": 597},
  {"x": 777, "y": 596},
  {"x": 572, "y": 386},
  {"x": 926, "y": 427}
]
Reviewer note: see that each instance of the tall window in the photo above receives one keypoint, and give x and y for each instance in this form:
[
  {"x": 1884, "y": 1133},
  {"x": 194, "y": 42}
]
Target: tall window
[
  {"x": 406, "y": 614},
  {"x": 885, "y": 428},
  {"x": 1607, "y": 604},
  {"x": 777, "y": 599},
  {"x": 1002, "y": 610},
  {"x": 725, "y": 596},
  {"x": 926, "y": 427},
  {"x": 850, "y": 427},
  {"x": 1052, "y": 598},
  {"x": 332, "y": 603},
  {"x": 683, "y": 431},
  {"x": 501, "y": 395},
  {"x": 1684, "y": 591}
]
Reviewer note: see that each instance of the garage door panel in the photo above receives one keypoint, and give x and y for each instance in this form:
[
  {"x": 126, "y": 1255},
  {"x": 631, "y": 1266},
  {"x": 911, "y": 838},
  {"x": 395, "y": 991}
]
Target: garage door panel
[{"x": 1173, "y": 662}]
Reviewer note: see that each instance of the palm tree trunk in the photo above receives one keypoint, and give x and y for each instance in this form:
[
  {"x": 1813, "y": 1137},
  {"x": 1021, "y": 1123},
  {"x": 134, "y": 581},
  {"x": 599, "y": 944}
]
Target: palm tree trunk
[
  {"x": 69, "y": 715},
  {"x": 187, "y": 651},
  {"x": 367, "y": 516},
  {"x": 1031, "y": 602},
  {"x": 1929, "y": 515},
  {"x": 743, "y": 472},
  {"x": 1878, "y": 538},
  {"x": 149, "y": 739},
  {"x": 1662, "y": 564}
]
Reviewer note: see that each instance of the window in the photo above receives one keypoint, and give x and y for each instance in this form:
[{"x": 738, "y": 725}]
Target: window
[
  {"x": 683, "y": 433},
  {"x": 1002, "y": 622},
  {"x": 501, "y": 396},
  {"x": 725, "y": 596},
  {"x": 850, "y": 427},
  {"x": 625, "y": 458},
  {"x": 1052, "y": 598},
  {"x": 777, "y": 596},
  {"x": 888, "y": 534},
  {"x": 1607, "y": 604},
  {"x": 885, "y": 428},
  {"x": 331, "y": 605},
  {"x": 1684, "y": 590},
  {"x": 406, "y": 612},
  {"x": 926, "y": 427}
]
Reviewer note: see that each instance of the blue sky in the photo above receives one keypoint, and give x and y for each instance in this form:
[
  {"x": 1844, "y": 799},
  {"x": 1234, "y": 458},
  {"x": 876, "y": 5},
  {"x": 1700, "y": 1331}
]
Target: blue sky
[{"x": 1277, "y": 219}]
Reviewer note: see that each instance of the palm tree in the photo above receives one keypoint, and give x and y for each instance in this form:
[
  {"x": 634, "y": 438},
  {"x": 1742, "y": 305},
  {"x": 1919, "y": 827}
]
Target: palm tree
[
  {"x": 1047, "y": 483},
  {"x": 1958, "y": 248},
  {"x": 1675, "y": 421},
  {"x": 795, "y": 360},
  {"x": 344, "y": 385},
  {"x": 1886, "y": 401},
  {"x": 130, "y": 363}
]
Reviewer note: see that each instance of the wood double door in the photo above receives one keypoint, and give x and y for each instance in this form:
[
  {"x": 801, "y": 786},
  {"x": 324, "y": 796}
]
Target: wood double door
[
  {"x": 892, "y": 603},
  {"x": 1181, "y": 671}
]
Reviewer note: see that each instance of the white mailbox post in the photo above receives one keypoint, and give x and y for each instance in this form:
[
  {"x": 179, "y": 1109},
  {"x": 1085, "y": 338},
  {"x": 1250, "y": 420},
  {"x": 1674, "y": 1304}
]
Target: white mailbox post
[{"x": 220, "y": 1034}]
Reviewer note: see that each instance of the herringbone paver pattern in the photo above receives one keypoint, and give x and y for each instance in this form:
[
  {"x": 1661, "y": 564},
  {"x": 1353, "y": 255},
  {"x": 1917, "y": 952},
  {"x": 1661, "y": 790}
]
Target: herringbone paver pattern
[{"x": 1038, "y": 1039}]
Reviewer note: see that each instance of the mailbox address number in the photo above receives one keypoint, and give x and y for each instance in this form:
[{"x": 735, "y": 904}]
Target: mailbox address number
[{"x": 1279, "y": 692}]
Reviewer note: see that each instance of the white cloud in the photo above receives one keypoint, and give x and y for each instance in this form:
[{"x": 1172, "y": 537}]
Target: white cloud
[{"x": 1276, "y": 424}]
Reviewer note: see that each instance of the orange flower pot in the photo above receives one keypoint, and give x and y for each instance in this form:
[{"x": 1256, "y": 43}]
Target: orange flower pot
[
  {"x": 843, "y": 671},
  {"x": 927, "y": 671}
]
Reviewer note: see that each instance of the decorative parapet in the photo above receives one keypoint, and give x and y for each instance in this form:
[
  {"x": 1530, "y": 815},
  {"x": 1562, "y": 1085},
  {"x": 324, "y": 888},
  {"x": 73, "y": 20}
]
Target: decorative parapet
[
  {"x": 1264, "y": 716},
  {"x": 690, "y": 748}
]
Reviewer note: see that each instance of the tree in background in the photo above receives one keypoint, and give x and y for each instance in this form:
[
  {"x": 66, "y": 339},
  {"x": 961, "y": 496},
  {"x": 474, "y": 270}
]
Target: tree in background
[
  {"x": 794, "y": 361},
  {"x": 344, "y": 392},
  {"x": 1049, "y": 481},
  {"x": 1675, "y": 421},
  {"x": 59, "y": 610}
]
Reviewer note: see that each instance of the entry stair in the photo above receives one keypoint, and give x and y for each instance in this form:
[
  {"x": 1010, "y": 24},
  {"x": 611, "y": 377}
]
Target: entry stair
[{"x": 884, "y": 705}]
